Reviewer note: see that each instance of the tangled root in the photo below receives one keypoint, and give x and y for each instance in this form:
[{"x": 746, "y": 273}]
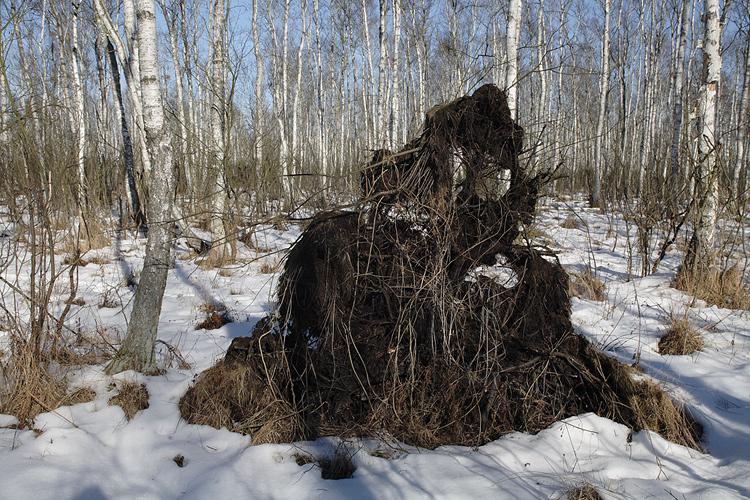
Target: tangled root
[{"x": 419, "y": 317}]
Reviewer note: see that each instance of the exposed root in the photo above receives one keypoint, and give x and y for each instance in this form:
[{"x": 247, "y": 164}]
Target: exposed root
[{"x": 387, "y": 325}]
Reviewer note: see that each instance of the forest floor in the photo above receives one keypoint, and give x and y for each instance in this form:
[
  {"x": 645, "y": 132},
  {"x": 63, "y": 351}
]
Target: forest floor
[{"x": 92, "y": 451}]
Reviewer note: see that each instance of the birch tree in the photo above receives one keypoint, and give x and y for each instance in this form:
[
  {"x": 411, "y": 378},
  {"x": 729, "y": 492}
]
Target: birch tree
[
  {"x": 603, "y": 89},
  {"x": 699, "y": 255},
  {"x": 381, "y": 126},
  {"x": 511, "y": 53},
  {"x": 677, "y": 108},
  {"x": 137, "y": 350},
  {"x": 219, "y": 247},
  {"x": 79, "y": 113},
  {"x": 740, "y": 163},
  {"x": 258, "y": 110}
]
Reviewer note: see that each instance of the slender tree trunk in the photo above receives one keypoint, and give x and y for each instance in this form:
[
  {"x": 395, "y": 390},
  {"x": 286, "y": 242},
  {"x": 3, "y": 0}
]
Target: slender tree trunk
[
  {"x": 137, "y": 351},
  {"x": 511, "y": 54},
  {"x": 258, "y": 111},
  {"x": 297, "y": 89},
  {"x": 381, "y": 127},
  {"x": 699, "y": 255},
  {"x": 678, "y": 98},
  {"x": 219, "y": 247},
  {"x": 79, "y": 113},
  {"x": 739, "y": 165},
  {"x": 395, "y": 76},
  {"x": 179, "y": 94},
  {"x": 319, "y": 93},
  {"x": 131, "y": 188},
  {"x": 603, "y": 88}
]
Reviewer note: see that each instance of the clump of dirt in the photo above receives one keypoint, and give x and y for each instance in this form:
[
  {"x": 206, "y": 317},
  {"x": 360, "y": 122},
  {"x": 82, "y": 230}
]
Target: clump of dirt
[{"x": 387, "y": 325}]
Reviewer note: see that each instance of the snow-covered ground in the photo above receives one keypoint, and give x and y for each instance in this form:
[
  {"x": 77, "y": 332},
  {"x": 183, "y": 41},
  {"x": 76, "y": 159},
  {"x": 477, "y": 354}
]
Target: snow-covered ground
[{"x": 91, "y": 451}]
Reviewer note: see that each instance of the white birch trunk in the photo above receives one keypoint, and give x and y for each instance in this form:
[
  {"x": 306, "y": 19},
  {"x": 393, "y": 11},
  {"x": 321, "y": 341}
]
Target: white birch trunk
[
  {"x": 258, "y": 111},
  {"x": 381, "y": 126},
  {"x": 297, "y": 89},
  {"x": 137, "y": 351},
  {"x": 678, "y": 97},
  {"x": 742, "y": 127},
  {"x": 218, "y": 189},
  {"x": 511, "y": 53},
  {"x": 319, "y": 91},
  {"x": 603, "y": 87},
  {"x": 367, "y": 89},
  {"x": 79, "y": 113},
  {"x": 395, "y": 76},
  {"x": 699, "y": 255}
]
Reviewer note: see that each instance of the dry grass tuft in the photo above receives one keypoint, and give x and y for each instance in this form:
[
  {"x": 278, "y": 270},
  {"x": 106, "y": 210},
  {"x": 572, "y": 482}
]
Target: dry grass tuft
[
  {"x": 681, "y": 338},
  {"x": 239, "y": 398},
  {"x": 725, "y": 289},
  {"x": 338, "y": 465},
  {"x": 654, "y": 410},
  {"x": 30, "y": 387},
  {"x": 303, "y": 459},
  {"x": 225, "y": 273},
  {"x": 132, "y": 398},
  {"x": 78, "y": 301},
  {"x": 584, "y": 492},
  {"x": 270, "y": 267},
  {"x": 571, "y": 222},
  {"x": 81, "y": 395},
  {"x": 98, "y": 260},
  {"x": 75, "y": 260},
  {"x": 586, "y": 285}
]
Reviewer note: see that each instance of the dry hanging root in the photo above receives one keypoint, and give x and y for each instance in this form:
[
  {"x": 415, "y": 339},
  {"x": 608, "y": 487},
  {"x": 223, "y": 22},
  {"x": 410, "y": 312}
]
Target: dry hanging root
[{"x": 393, "y": 321}]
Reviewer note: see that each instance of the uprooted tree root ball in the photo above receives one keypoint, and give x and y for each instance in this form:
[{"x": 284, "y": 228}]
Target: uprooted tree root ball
[{"x": 417, "y": 316}]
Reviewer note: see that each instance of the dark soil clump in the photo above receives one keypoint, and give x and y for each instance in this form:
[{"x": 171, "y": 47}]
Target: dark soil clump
[{"x": 388, "y": 325}]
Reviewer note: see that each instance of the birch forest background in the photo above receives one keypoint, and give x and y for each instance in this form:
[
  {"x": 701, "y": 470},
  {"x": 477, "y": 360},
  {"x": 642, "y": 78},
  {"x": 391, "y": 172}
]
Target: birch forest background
[
  {"x": 373, "y": 228},
  {"x": 271, "y": 104}
]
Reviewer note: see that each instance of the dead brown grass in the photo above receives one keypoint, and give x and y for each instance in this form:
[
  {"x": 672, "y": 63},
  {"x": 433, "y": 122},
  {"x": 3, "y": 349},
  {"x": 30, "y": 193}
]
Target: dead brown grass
[
  {"x": 75, "y": 260},
  {"x": 681, "y": 338},
  {"x": 30, "y": 387},
  {"x": 655, "y": 411},
  {"x": 132, "y": 398},
  {"x": 338, "y": 465},
  {"x": 81, "y": 395},
  {"x": 586, "y": 285},
  {"x": 216, "y": 317},
  {"x": 571, "y": 222},
  {"x": 584, "y": 492},
  {"x": 722, "y": 288},
  {"x": 101, "y": 261},
  {"x": 224, "y": 393},
  {"x": 270, "y": 266}
]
